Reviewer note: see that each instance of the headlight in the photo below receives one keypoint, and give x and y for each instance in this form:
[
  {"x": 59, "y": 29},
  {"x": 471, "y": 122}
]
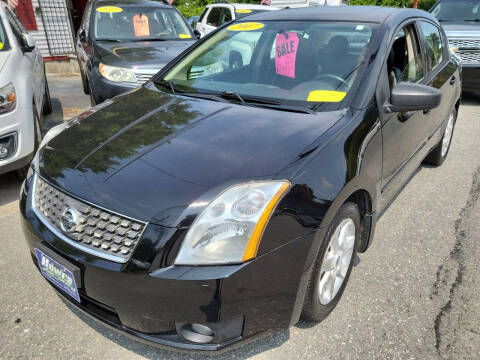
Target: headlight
[
  {"x": 229, "y": 229},
  {"x": 8, "y": 98},
  {"x": 117, "y": 74}
]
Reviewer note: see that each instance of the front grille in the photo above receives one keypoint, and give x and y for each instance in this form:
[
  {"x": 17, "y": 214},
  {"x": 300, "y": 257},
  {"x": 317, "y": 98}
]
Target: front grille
[
  {"x": 468, "y": 50},
  {"x": 143, "y": 75},
  {"x": 85, "y": 226},
  {"x": 468, "y": 56},
  {"x": 464, "y": 43}
]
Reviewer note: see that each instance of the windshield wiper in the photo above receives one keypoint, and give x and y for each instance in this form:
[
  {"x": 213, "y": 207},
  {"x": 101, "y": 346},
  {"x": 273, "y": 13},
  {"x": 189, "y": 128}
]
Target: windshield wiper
[
  {"x": 245, "y": 99},
  {"x": 110, "y": 40},
  {"x": 290, "y": 108},
  {"x": 169, "y": 85}
]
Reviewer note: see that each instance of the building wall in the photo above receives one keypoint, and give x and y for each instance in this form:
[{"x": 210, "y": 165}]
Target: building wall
[{"x": 39, "y": 35}]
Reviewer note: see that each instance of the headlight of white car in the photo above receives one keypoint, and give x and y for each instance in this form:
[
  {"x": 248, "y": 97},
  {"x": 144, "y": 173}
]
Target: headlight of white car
[
  {"x": 229, "y": 229},
  {"x": 8, "y": 98},
  {"x": 117, "y": 74}
]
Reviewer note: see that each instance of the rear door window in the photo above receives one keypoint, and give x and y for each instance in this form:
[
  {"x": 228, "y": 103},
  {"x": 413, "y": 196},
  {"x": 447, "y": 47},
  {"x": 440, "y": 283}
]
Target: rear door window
[{"x": 433, "y": 42}]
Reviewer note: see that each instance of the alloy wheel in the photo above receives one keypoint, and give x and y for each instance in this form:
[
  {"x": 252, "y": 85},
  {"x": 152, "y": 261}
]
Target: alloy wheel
[
  {"x": 447, "y": 135},
  {"x": 336, "y": 261}
]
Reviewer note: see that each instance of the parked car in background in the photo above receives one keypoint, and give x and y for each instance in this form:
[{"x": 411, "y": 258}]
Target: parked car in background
[
  {"x": 24, "y": 95},
  {"x": 192, "y": 20},
  {"x": 122, "y": 44},
  {"x": 219, "y": 13},
  {"x": 210, "y": 206},
  {"x": 461, "y": 21}
]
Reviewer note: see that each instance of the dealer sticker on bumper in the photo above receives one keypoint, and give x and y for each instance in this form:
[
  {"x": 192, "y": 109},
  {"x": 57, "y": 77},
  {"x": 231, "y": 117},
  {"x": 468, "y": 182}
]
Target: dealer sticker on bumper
[{"x": 57, "y": 274}]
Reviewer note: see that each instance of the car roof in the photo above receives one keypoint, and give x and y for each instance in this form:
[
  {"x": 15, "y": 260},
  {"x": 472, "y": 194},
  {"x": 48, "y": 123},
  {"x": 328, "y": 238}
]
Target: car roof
[
  {"x": 374, "y": 14},
  {"x": 146, "y": 3},
  {"x": 243, "y": 6}
]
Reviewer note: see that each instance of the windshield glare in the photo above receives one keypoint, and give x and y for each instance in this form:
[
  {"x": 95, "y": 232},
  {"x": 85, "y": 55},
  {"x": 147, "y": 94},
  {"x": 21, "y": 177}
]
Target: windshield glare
[
  {"x": 132, "y": 23},
  {"x": 457, "y": 10},
  {"x": 296, "y": 63}
]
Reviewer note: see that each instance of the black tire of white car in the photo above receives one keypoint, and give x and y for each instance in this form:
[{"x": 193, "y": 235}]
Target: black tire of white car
[
  {"x": 47, "y": 101},
  {"x": 437, "y": 156},
  {"x": 86, "y": 88},
  {"x": 313, "y": 309}
]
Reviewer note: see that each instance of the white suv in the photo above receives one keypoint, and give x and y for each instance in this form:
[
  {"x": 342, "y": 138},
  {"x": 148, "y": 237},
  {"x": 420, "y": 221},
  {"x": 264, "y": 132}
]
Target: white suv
[
  {"x": 219, "y": 13},
  {"x": 24, "y": 94}
]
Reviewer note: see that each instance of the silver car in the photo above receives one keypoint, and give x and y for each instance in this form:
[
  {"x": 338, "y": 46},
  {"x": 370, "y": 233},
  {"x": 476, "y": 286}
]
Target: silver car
[{"x": 24, "y": 94}]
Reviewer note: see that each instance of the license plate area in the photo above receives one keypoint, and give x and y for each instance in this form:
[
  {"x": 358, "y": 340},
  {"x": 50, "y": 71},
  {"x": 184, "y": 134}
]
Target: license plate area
[{"x": 62, "y": 274}]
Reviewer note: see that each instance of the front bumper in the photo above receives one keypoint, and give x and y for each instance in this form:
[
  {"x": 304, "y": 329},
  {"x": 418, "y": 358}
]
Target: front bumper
[
  {"x": 18, "y": 122},
  {"x": 154, "y": 303},
  {"x": 102, "y": 89},
  {"x": 471, "y": 78}
]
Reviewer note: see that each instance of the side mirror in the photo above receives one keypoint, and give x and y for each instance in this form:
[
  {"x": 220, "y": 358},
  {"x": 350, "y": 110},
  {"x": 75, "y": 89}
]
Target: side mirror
[
  {"x": 28, "y": 43},
  {"x": 82, "y": 36},
  {"x": 412, "y": 97},
  {"x": 197, "y": 34}
]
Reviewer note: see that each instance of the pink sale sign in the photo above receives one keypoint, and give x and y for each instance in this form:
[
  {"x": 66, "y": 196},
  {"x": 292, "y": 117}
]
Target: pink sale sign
[{"x": 286, "y": 47}]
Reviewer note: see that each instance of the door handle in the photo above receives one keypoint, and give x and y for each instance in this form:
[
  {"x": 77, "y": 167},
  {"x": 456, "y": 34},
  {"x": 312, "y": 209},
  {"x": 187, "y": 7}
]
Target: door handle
[{"x": 452, "y": 80}]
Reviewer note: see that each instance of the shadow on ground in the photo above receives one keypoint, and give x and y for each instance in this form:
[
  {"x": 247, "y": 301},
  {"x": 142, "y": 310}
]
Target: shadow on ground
[{"x": 258, "y": 345}]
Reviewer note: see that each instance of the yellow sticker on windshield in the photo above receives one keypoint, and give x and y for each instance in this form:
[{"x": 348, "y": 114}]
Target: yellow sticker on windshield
[
  {"x": 243, "y": 11},
  {"x": 184, "y": 36},
  {"x": 246, "y": 26},
  {"x": 1, "y": 45},
  {"x": 326, "y": 96},
  {"x": 109, "y": 9}
]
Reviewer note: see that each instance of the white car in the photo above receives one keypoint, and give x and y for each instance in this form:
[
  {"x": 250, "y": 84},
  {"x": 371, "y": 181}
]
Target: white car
[
  {"x": 24, "y": 94},
  {"x": 218, "y": 14}
]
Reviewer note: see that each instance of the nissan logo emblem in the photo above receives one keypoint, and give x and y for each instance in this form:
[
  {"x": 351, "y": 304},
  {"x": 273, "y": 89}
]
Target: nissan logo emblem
[{"x": 68, "y": 220}]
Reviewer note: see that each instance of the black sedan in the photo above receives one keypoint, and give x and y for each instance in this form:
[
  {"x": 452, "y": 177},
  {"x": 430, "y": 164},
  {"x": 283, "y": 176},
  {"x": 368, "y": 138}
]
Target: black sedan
[
  {"x": 217, "y": 202},
  {"x": 121, "y": 44}
]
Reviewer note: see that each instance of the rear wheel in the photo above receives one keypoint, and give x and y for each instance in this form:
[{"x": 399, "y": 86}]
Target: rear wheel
[
  {"x": 333, "y": 265},
  {"x": 438, "y": 155}
]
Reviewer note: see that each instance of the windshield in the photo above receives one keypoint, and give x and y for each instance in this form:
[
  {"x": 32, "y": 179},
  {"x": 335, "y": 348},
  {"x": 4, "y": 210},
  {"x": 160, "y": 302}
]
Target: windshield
[
  {"x": 457, "y": 10},
  {"x": 135, "y": 23},
  {"x": 300, "y": 63},
  {"x": 4, "y": 45}
]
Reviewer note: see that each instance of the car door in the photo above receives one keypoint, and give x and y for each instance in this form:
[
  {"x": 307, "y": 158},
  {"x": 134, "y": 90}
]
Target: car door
[
  {"x": 442, "y": 72},
  {"x": 83, "y": 39},
  {"x": 200, "y": 26},
  {"x": 33, "y": 61},
  {"x": 403, "y": 134}
]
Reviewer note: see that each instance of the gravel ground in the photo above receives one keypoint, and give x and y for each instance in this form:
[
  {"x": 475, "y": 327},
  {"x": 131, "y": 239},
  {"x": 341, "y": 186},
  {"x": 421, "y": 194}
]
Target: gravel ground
[{"x": 414, "y": 294}]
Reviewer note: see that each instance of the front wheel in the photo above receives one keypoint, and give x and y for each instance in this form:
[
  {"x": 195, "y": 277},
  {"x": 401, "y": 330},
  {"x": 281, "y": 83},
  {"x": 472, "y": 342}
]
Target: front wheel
[
  {"x": 439, "y": 153},
  {"x": 333, "y": 265},
  {"x": 47, "y": 101},
  {"x": 22, "y": 172}
]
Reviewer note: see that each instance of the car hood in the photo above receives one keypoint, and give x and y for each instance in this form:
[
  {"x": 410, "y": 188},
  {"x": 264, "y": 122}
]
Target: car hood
[
  {"x": 149, "y": 155},
  {"x": 461, "y": 29},
  {"x": 144, "y": 54}
]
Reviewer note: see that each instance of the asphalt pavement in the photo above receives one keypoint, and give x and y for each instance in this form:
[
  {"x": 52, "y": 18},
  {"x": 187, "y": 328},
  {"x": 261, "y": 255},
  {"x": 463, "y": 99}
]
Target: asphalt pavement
[{"x": 414, "y": 294}]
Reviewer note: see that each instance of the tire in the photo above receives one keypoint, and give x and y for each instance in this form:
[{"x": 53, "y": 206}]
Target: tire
[
  {"x": 86, "y": 89},
  {"x": 92, "y": 99},
  {"x": 22, "y": 172},
  {"x": 318, "y": 305},
  {"x": 440, "y": 152},
  {"x": 47, "y": 101}
]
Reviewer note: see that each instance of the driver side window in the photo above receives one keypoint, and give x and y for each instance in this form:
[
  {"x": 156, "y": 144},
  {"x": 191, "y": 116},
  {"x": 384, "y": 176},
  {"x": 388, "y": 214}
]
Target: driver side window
[{"x": 405, "y": 62}]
